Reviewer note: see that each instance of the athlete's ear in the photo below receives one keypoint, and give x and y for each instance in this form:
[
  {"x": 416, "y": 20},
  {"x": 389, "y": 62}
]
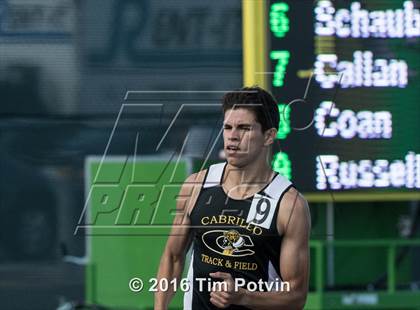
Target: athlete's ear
[{"x": 269, "y": 136}]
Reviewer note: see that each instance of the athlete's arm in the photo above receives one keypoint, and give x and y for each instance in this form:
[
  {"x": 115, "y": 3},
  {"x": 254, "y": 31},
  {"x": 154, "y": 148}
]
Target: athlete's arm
[
  {"x": 179, "y": 240},
  {"x": 294, "y": 224}
]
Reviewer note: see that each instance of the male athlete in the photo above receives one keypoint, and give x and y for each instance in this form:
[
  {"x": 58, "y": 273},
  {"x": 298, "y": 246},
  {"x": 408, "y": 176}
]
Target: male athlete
[{"x": 247, "y": 223}]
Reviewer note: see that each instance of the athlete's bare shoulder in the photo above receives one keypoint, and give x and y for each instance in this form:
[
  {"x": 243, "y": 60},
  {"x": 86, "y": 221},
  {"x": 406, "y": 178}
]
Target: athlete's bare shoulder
[
  {"x": 196, "y": 178},
  {"x": 293, "y": 205},
  {"x": 192, "y": 187}
]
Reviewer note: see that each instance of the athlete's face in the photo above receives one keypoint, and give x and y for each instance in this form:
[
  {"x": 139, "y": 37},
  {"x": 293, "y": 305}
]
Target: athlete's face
[{"x": 244, "y": 141}]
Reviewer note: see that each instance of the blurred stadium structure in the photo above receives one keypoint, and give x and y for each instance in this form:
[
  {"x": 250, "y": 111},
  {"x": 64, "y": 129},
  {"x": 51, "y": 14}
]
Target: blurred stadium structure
[{"x": 65, "y": 69}]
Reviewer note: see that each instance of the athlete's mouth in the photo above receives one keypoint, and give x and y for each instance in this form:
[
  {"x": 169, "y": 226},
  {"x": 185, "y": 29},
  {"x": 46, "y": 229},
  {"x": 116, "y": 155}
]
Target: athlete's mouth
[{"x": 232, "y": 148}]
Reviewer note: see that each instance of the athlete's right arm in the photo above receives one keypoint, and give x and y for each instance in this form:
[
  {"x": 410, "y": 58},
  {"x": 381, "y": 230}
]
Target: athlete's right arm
[{"x": 179, "y": 240}]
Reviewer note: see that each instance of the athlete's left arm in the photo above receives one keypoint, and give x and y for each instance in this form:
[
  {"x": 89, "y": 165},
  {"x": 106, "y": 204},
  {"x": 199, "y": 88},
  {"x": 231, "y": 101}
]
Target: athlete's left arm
[{"x": 294, "y": 224}]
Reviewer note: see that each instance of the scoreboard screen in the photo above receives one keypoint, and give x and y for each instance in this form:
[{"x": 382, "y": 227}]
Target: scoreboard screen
[{"x": 346, "y": 77}]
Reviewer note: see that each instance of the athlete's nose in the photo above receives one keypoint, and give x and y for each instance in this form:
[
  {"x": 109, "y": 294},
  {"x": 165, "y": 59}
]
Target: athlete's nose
[{"x": 234, "y": 135}]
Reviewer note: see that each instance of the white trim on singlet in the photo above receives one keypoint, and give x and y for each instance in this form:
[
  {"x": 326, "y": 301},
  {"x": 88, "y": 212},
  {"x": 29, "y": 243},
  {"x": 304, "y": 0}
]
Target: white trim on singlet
[
  {"x": 189, "y": 293},
  {"x": 277, "y": 187},
  {"x": 214, "y": 175},
  {"x": 273, "y": 276}
]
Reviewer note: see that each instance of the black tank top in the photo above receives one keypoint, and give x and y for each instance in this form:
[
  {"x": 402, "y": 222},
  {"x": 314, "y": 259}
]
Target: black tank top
[{"x": 239, "y": 237}]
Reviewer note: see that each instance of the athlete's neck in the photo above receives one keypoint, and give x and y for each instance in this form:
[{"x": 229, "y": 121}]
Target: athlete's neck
[{"x": 245, "y": 181}]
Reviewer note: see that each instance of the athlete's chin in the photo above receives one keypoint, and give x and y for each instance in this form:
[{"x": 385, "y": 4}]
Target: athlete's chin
[{"x": 237, "y": 162}]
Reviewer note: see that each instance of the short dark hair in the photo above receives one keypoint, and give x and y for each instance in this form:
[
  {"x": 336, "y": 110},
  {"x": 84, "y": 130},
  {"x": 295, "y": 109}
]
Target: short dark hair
[{"x": 257, "y": 100}]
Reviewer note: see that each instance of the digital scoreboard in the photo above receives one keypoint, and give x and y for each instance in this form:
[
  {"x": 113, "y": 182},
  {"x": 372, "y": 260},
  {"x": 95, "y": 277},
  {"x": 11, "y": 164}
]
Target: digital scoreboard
[{"x": 346, "y": 76}]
